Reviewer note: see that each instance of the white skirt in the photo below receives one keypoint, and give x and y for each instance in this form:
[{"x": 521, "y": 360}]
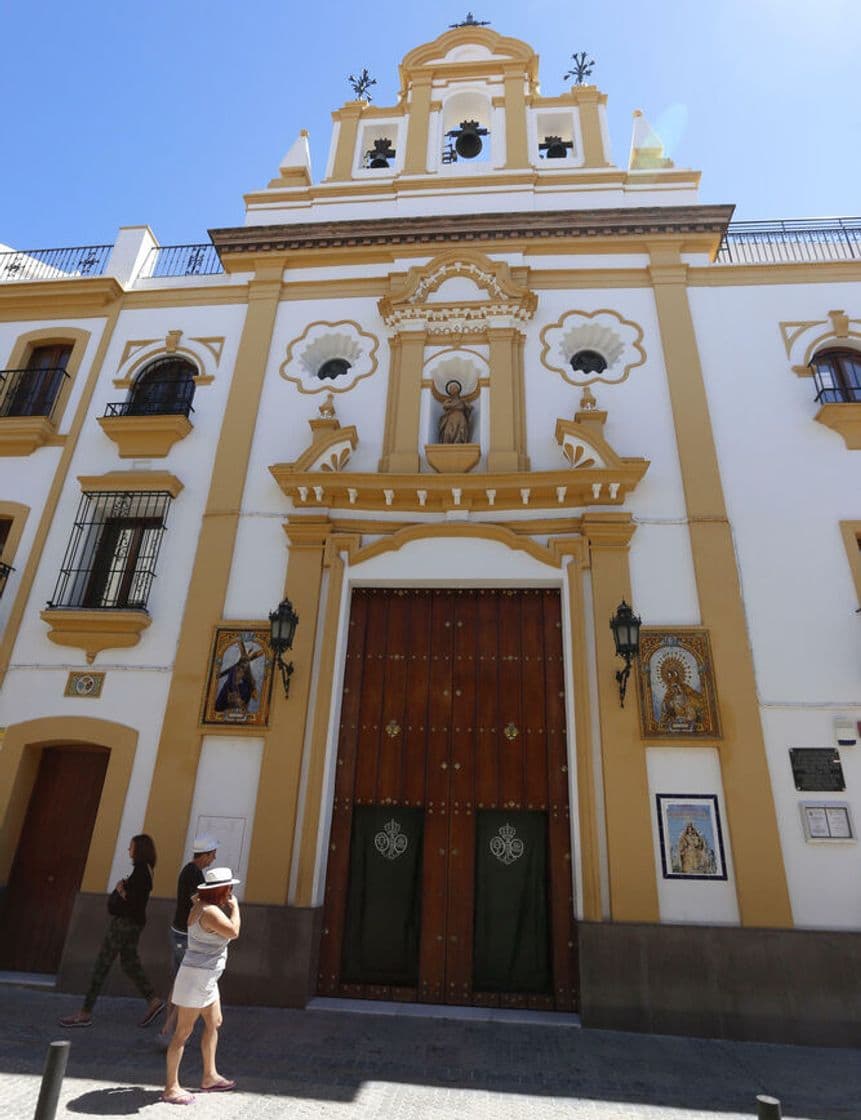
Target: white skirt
[{"x": 195, "y": 987}]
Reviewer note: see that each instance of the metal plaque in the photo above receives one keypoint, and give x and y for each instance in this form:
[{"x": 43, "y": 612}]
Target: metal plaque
[{"x": 816, "y": 768}]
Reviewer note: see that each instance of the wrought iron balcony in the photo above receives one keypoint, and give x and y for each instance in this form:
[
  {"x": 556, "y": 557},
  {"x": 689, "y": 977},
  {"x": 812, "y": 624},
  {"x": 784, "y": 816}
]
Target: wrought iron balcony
[
  {"x": 30, "y": 392},
  {"x": 791, "y": 242},
  {"x": 53, "y": 264},
  {"x": 149, "y": 408},
  {"x": 5, "y": 572},
  {"x": 181, "y": 260}
]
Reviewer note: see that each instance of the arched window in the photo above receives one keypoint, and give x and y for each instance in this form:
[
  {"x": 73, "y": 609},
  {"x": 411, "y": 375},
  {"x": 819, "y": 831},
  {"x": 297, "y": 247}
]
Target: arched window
[
  {"x": 164, "y": 388},
  {"x": 837, "y": 374}
]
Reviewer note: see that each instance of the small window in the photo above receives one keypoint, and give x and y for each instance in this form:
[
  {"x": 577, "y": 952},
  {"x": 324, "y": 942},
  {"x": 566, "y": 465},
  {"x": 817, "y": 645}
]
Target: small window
[
  {"x": 588, "y": 361},
  {"x": 837, "y": 375},
  {"x": 334, "y": 367},
  {"x": 111, "y": 558},
  {"x": 163, "y": 388},
  {"x": 33, "y": 391}
]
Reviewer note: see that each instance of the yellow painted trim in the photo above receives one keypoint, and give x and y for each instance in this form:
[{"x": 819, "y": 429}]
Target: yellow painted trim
[
  {"x": 501, "y": 534},
  {"x": 22, "y": 435},
  {"x": 589, "y": 101},
  {"x": 17, "y": 513},
  {"x": 130, "y": 481},
  {"x": 93, "y": 631},
  {"x": 516, "y": 143},
  {"x": 507, "y": 451},
  {"x": 760, "y": 876},
  {"x": 67, "y": 299},
  {"x": 277, "y": 806},
  {"x": 172, "y": 787},
  {"x": 586, "y": 379},
  {"x": 145, "y": 437},
  {"x": 173, "y": 298},
  {"x": 851, "y": 533},
  {"x": 327, "y": 385},
  {"x": 19, "y": 762},
  {"x": 46, "y": 520},
  {"x": 50, "y": 336},
  {"x": 735, "y": 275},
  {"x": 418, "y": 127},
  {"x": 426, "y": 60},
  {"x": 845, "y": 419},
  {"x": 348, "y": 132},
  {"x": 630, "y": 852},
  {"x": 456, "y": 458},
  {"x": 403, "y": 404}
]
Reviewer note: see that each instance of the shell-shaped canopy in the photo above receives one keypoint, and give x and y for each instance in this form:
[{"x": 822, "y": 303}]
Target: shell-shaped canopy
[{"x": 328, "y": 346}]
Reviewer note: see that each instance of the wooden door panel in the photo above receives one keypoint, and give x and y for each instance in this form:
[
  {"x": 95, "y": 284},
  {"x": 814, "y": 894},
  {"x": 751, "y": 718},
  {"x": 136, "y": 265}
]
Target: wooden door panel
[
  {"x": 392, "y": 719},
  {"x": 50, "y": 858}
]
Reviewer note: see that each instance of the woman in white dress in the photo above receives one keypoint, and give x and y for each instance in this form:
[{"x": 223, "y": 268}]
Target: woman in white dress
[{"x": 212, "y": 924}]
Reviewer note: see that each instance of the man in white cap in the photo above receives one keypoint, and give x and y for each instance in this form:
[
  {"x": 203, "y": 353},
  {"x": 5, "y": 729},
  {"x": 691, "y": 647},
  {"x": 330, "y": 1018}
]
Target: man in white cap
[{"x": 203, "y": 849}]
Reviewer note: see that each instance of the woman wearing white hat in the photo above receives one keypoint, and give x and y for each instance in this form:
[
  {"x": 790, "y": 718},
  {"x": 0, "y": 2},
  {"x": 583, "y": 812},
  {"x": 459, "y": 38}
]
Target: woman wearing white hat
[{"x": 212, "y": 924}]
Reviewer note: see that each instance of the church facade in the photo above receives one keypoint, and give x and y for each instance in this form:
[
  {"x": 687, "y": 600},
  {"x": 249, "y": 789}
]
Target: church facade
[{"x": 456, "y": 406}]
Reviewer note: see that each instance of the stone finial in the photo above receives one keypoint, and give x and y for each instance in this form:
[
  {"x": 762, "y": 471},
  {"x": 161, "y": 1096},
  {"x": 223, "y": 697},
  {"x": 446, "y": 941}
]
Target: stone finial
[
  {"x": 327, "y": 408},
  {"x": 840, "y": 323},
  {"x": 171, "y": 341},
  {"x": 588, "y": 402},
  {"x": 295, "y": 169},
  {"x": 647, "y": 148}
]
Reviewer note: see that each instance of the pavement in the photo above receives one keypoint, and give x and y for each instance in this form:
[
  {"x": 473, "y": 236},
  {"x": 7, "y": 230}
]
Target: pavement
[{"x": 305, "y": 1065}]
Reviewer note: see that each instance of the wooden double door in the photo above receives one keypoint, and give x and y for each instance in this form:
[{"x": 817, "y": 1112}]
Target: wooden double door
[{"x": 449, "y": 870}]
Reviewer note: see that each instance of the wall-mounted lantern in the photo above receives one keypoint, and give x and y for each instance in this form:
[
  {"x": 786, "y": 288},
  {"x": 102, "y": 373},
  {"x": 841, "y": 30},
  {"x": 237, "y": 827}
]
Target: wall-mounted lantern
[
  {"x": 282, "y": 629},
  {"x": 626, "y": 634}
]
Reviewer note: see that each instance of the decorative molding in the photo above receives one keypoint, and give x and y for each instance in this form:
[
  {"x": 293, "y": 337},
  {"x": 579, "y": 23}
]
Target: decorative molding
[
  {"x": 323, "y": 340},
  {"x": 145, "y": 437},
  {"x": 84, "y": 686},
  {"x": 618, "y": 341},
  {"x": 203, "y": 353},
  {"x": 844, "y": 418},
  {"x": 484, "y": 228},
  {"x": 131, "y": 481},
  {"x": 22, "y": 435},
  {"x": 453, "y": 458},
  {"x": 434, "y": 493},
  {"x": 501, "y": 534},
  {"x": 93, "y": 631}
]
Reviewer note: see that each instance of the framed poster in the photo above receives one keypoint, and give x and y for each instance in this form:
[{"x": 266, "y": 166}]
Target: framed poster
[
  {"x": 240, "y": 677},
  {"x": 827, "y": 820},
  {"x": 690, "y": 837},
  {"x": 677, "y": 694}
]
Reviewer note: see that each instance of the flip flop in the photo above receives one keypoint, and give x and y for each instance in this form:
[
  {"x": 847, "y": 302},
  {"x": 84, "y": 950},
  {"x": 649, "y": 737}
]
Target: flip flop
[
  {"x": 182, "y": 1098},
  {"x": 221, "y": 1087},
  {"x": 74, "y": 1021},
  {"x": 152, "y": 1014}
]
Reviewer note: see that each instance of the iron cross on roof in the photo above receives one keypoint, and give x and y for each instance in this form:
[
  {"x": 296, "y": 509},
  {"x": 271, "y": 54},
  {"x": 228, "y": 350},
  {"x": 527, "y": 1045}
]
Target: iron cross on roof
[{"x": 471, "y": 21}]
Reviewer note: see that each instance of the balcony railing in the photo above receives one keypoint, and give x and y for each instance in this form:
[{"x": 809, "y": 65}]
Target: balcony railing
[
  {"x": 149, "y": 408},
  {"x": 5, "y": 571},
  {"x": 30, "y": 392},
  {"x": 181, "y": 260},
  {"x": 791, "y": 242},
  {"x": 53, "y": 264}
]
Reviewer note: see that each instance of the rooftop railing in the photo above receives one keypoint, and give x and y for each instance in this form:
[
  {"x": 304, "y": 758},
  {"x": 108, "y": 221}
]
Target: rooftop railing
[
  {"x": 181, "y": 260},
  {"x": 53, "y": 264},
  {"x": 791, "y": 242}
]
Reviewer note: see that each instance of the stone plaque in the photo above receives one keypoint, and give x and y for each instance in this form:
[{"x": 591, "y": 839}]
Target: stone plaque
[{"x": 816, "y": 768}]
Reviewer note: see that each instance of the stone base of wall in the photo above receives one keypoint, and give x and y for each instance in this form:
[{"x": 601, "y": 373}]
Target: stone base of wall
[
  {"x": 765, "y": 985},
  {"x": 273, "y": 962}
]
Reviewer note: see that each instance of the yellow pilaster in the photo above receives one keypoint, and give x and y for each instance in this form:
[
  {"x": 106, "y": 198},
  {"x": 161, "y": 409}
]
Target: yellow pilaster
[
  {"x": 403, "y": 404},
  {"x": 416, "y": 158},
  {"x": 507, "y": 406},
  {"x": 175, "y": 772},
  {"x": 763, "y": 895},
  {"x": 589, "y": 99},
  {"x": 278, "y": 790},
  {"x": 589, "y": 848},
  {"x": 516, "y": 146},
  {"x": 348, "y": 117},
  {"x": 316, "y": 761},
  {"x": 630, "y": 852}
]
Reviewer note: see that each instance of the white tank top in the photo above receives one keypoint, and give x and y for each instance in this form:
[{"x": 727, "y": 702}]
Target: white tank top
[{"x": 205, "y": 949}]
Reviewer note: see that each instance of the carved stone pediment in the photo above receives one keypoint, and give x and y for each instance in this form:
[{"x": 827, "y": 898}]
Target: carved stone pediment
[{"x": 457, "y": 291}]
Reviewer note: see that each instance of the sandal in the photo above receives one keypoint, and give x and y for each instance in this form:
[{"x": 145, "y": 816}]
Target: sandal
[
  {"x": 224, "y": 1086},
  {"x": 76, "y": 1020},
  {"x": 179, "y": 1098},
  {"x": 153, "y": 1013}
]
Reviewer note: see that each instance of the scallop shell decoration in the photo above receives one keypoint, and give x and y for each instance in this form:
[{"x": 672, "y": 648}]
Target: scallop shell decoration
[
  {"x": 458, "y": 368},
  {"x": 321, "y": 342},
  {"x": 616, "y": 339}
]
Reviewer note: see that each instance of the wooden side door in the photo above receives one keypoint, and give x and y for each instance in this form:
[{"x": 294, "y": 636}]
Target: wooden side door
[{"x": 50, "y": 858}]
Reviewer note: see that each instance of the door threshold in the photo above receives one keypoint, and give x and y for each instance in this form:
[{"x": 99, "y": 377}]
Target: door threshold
[
  {"x": 28, "y": 979},
  {"x": 446, "y": 1011}
]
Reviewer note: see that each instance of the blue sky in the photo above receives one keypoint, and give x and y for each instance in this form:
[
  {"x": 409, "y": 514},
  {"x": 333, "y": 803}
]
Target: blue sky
[{"x": 165, "y": 112}]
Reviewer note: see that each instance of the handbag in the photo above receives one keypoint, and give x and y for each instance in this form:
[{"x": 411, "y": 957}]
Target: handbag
[{"x": 116, "y": 904}]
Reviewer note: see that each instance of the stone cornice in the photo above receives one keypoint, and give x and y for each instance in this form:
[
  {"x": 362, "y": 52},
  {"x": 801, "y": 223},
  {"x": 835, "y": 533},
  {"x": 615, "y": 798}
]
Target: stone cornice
[{"x": 534, "y": 225}]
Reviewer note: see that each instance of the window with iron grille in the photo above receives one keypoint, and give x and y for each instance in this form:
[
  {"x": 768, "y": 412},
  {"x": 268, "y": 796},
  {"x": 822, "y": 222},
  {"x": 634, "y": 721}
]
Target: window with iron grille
[
  {"x": 837, "y": 375},
  {"x": 112, "y": 554},
  {"x": 164, "y": 388}
]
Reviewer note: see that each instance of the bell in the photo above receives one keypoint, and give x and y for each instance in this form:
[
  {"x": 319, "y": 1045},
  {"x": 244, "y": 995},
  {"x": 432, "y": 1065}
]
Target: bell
[
  {"x": 468, "y": 141},
  {"x": 555, "y": 148},
  {"x": 378, "y": 161},
  {"x": 380, "y": 154}
]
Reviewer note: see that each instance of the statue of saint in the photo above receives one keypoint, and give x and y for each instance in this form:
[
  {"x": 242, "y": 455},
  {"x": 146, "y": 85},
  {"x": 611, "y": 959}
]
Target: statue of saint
[{"x": 456, "y": 411}]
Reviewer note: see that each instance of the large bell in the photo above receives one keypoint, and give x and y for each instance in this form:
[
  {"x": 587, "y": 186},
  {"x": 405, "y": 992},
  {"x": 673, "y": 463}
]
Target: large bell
[
  {"x": 555, "y": 148},
  {"x": 468, "y": 141},
  {"x": 380, "y": 154}
]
